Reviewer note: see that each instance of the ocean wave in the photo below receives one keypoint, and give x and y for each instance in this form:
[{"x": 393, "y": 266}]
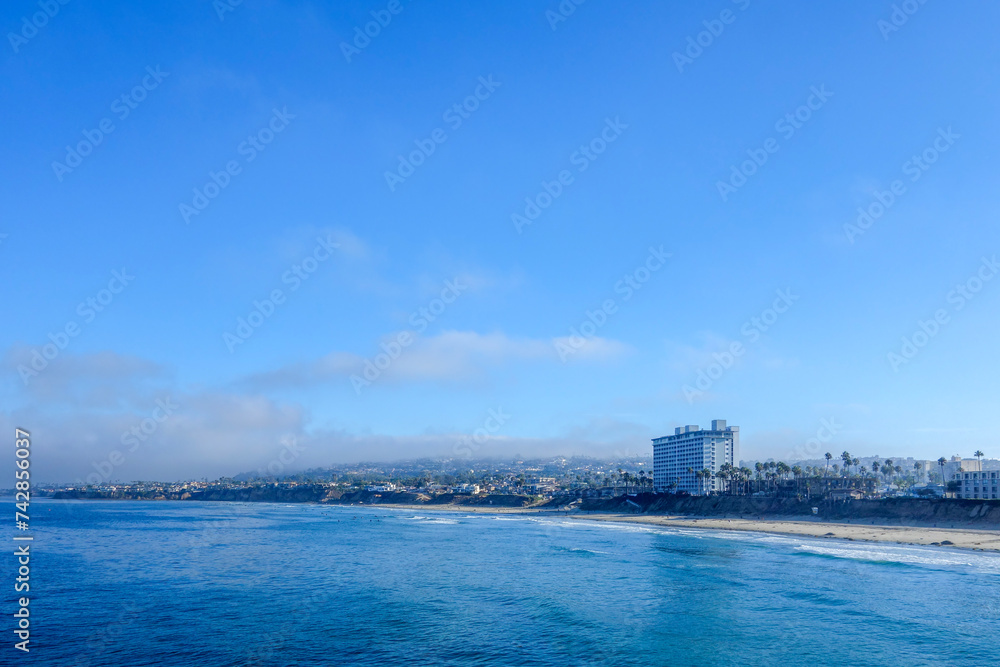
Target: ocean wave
[
  {"x": 921, "y": 556},
  {"x": 429, "y": 520}
]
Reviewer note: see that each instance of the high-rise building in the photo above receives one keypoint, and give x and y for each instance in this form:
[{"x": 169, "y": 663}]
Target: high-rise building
[
  {"x": 978, "y": 484},
  {"x": 693, "y": 448}
]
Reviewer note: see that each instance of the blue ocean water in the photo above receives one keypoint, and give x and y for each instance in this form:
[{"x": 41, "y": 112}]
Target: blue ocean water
[{"x": 184, "y": 583}]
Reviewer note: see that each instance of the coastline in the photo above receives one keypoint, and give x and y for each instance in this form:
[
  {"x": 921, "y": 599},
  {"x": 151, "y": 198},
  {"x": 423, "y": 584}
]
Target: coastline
[
  {"x": 956, "y": 538},
  {"x": 858, "y": 530}
]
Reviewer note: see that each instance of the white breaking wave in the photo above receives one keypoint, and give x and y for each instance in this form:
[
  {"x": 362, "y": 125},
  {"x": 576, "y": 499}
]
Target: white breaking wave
[
  {"x": 930, "y": 556},
  {"x": 875, "y": 552}
]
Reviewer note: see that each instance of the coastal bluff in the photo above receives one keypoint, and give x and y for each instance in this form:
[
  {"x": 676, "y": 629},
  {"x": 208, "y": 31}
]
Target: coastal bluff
[
  {"x": 302, "y": 493},
  {"x": 900, "y": 511}
]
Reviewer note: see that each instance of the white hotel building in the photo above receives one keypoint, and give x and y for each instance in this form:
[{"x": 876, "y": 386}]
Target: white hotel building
[
  {"x": 983, "y": 484},
  {"x": 692, "y": 447}
]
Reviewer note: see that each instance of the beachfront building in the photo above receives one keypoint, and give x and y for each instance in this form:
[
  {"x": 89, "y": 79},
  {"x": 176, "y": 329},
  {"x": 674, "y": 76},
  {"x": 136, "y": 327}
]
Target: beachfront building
[
  {"x": 540, "y": 485},
  {"x": 979, "y": 484},
  {"x": 957, "y": 465},
  {"x": 389, "y": 486},
  {"x": 691, "y": 447}
]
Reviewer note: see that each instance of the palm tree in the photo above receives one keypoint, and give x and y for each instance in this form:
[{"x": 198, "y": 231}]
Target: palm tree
[
  {"x": 828, "y": 457},
  {"x": 941, "y": 462},
  {"x": 796, "y": 474},
  {"x": 721, "y": 475},
  {"x": 847, "y": 462},
  {"x": 979, "y": 457}
]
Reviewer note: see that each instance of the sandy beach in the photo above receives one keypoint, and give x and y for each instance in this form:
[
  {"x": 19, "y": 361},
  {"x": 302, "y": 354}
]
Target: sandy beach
[
  {"x": 960, "y": 538},
  {"x": 981, "y": 540}
]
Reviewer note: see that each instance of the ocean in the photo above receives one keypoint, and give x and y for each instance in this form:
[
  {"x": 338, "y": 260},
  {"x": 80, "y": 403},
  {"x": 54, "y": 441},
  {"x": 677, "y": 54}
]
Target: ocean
[{"x": 185, "y": 583}]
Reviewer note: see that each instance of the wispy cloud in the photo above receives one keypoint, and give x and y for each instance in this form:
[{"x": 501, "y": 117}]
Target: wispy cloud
[{"x": 451, "y": 356}]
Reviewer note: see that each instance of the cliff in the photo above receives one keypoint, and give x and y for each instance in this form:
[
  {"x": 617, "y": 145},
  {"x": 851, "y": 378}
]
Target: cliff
[
  {"x": 902, "y": 511},
  {"x": 305, "y": 493}
]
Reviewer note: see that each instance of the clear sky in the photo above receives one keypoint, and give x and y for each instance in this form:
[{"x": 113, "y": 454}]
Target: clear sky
[{"x": 463, "y": 192}]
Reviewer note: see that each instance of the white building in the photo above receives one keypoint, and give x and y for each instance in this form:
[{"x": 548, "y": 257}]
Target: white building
[
  {"x": 381, "y": 487},
  {"x": 697, "y": 449},
  {"x": 978, "y": 484}
]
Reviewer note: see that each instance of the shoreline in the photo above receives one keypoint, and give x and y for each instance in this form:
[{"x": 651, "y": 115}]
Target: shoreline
[{"x": 973, "y": 539}]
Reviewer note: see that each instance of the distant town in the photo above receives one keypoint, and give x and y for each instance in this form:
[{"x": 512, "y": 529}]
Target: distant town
[{"x": 691, "y": 462}]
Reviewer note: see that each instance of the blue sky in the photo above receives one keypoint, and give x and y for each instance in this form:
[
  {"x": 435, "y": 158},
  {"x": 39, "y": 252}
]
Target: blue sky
[{"x": 642, "y": 138}]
